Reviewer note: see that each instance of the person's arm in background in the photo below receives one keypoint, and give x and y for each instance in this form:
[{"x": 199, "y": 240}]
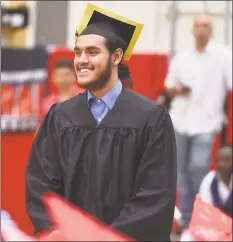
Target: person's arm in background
[
  {"x": 173, "y": 85},
  {"x": 228, "y": 100}
]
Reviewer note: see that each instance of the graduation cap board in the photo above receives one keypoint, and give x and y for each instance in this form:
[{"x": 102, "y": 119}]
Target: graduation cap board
[{"x": 127, "y": 29}]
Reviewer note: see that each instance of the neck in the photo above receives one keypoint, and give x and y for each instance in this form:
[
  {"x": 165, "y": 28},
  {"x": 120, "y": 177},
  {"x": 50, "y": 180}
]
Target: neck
[
  {"x": 102, "y": 91},
  {"x": 200, "y": 47},
  {"x": 226, "y": 177}
]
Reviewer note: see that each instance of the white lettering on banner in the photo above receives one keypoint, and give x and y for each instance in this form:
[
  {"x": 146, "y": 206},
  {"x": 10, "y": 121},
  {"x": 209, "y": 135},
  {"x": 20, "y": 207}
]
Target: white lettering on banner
[
  {"x": 18, "y": 123},
  {"x": 210, "y": 234},
  {"x": 17, "y": 77}
]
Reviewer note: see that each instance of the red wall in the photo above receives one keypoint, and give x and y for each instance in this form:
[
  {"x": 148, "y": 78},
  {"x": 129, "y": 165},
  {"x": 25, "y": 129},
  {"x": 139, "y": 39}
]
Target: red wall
[
  {"x": 15, "y": 150},
  {"x": 148, "y": 72}
]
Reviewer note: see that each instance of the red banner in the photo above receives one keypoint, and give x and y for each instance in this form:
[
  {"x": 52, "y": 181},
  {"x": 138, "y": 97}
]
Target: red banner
[
  {"x": 73, "y": 224},
  {"x": 23, "y": 76},
  {"x": 208, "y": 223}
]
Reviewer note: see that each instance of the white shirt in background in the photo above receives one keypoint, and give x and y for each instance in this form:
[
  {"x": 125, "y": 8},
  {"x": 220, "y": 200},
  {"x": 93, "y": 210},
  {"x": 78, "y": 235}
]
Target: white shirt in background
[
  {"x": 205, "y": 188},
  {"x": 209, "y": 75}
]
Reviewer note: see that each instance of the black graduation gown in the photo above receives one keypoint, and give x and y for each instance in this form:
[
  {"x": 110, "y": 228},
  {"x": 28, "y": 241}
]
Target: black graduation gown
[{"x": 123, "y": 171}]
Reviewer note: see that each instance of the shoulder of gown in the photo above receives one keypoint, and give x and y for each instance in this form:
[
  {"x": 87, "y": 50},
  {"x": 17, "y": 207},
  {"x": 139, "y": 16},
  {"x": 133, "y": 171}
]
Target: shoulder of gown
[
  {"x": 154, "y": 113},
  {"x": 134, "y": 100},
  {"x": 67, "y": 106},
  {"x": 131, "y": 105},
  {"x": 138, "y": 101}
]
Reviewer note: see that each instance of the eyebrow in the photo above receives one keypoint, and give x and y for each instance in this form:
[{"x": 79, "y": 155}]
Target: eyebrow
[{"x": 88, "y": 48}]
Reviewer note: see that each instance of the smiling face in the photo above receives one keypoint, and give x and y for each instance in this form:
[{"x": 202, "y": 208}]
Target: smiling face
[{"x": 92, "y": 62}]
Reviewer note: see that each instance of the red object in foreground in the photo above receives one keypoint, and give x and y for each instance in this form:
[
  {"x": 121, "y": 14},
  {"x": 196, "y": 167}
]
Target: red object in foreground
[
  {"x": 208, "y": 223},
  {"x": 73, "y": 224}
]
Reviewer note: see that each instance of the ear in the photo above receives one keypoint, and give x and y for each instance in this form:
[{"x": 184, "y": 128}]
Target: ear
[{"x": 117, "y": 56}]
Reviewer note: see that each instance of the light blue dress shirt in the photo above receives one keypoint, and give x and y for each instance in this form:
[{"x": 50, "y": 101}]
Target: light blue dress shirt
[{"x": 100, "y": 107}]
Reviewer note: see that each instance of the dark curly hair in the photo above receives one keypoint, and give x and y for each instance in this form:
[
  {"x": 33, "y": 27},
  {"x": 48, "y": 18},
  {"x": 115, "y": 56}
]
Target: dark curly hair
[{"x": 123, "y": 70}]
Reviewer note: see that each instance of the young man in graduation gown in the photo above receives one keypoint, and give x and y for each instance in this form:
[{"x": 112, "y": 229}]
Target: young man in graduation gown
[{"x": 110, "y": 151}]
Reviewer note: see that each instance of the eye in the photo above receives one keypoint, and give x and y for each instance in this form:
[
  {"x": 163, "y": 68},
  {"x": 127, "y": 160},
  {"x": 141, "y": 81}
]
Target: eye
[
  {"x": 78, "y": 53},
  {"x": 93, "y": 53}
]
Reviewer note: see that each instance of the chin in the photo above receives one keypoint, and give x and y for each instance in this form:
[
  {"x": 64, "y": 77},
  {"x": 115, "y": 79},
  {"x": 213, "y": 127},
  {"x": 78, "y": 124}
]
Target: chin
[{"x": 85, "y": 83}]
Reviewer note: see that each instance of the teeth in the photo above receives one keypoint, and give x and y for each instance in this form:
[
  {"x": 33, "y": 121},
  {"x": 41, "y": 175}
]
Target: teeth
[{"x": 84, "y": 70}]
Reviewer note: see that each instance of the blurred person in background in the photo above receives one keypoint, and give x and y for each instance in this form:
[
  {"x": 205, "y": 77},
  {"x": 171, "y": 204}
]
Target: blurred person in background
[
  {"x": 65, "y": 81},
  {"x": 216, "y": 187},
  {"x": 197, "y": 81}
]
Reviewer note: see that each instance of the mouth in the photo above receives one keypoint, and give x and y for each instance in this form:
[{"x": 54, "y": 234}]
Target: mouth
[{"x": 83, "y": 71}]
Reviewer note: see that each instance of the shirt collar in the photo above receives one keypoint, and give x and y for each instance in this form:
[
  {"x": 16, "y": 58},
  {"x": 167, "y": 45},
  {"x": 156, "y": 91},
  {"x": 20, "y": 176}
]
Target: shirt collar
[
  {"x": 110, "y": 97},
  {"x": 208, "y": 48}
]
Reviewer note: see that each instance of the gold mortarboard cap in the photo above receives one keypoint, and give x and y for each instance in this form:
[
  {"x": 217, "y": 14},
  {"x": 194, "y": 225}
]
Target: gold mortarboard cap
[{"x": 128, "y": 30}]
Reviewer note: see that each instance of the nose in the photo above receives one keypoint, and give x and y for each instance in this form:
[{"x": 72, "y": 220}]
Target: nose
[{"x": 83, "y": 59}]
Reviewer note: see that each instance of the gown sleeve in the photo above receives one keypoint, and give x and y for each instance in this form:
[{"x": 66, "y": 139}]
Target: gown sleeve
[
  {"x": 149, "y": 213},
  {"x": 43, "y": 171}
]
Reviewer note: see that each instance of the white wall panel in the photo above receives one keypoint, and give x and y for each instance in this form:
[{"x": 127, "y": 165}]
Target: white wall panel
[
  {"x": 156, "y": 36},
  {"x": 141, "y": 11},
  {"x": 30, "y": 33}
]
